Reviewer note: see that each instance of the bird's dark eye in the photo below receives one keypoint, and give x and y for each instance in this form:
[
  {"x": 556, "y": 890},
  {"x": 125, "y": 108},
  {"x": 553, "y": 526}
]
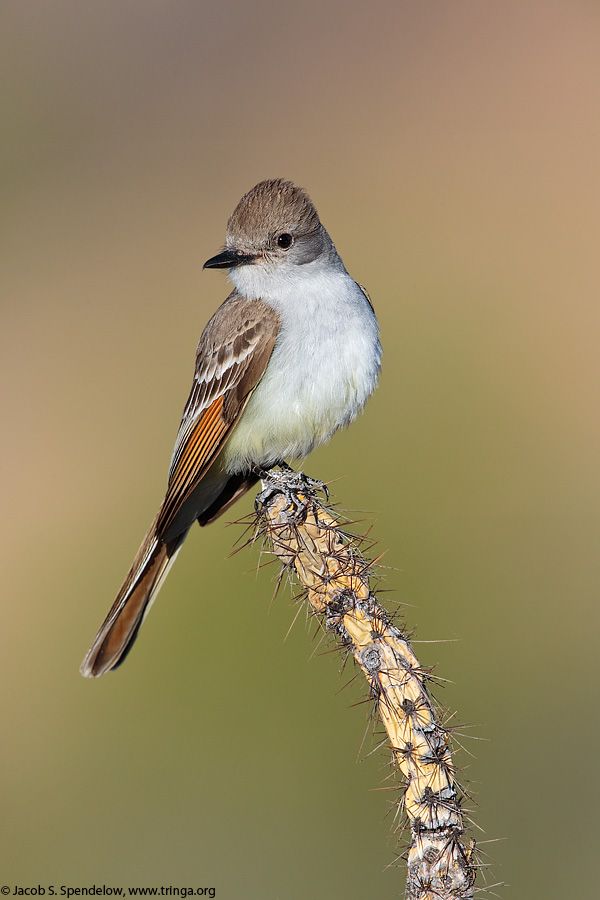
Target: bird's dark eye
[{"x": 284, "y": 241}]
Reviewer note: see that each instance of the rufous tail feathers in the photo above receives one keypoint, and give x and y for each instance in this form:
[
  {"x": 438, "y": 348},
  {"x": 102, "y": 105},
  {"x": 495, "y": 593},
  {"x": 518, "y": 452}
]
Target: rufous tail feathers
[
  {"x": 119, "y": 630},
  {"x": 150, "y": 567}
]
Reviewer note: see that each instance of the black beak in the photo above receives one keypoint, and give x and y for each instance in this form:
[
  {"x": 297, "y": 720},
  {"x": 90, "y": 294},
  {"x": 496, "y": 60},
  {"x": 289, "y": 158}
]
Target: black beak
[{"x": 229, "y": 259}]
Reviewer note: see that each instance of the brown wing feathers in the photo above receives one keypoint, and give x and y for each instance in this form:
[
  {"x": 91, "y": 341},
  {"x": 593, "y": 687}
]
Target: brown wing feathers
[
  {"x": 198, "y": 452},
  {"x": 232, "y": 356}
]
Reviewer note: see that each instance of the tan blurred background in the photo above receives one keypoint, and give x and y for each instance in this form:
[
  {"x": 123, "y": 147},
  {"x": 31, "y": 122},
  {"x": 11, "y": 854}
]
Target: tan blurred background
[{"x": 452, "y": 151}]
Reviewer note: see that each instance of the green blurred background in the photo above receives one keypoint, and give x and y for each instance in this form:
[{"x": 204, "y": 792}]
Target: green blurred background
[{"x": 452, "y": 151}]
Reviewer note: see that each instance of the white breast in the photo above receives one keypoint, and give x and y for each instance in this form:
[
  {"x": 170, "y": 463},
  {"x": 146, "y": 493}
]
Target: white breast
[{"x": 323, "y": 368}]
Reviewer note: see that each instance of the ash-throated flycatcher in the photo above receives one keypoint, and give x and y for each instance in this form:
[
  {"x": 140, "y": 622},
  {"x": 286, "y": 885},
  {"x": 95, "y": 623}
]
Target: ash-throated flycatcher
[{"x": 289, "y": 357}]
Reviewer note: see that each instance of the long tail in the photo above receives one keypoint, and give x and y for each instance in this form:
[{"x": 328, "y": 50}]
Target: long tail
[
  {"x": 150, "y": 567},
  {"x": 119, "y": 630}
]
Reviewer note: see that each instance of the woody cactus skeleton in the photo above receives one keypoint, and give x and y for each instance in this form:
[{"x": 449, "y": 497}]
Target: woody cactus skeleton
[{"x": 309, "y": 540}]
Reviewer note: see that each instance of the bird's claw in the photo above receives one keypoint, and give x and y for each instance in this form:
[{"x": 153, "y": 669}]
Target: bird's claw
[{"x": 289, "y": 483}]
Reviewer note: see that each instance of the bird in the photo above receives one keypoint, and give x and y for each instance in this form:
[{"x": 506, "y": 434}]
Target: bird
[{"x": 290, "y": 357}]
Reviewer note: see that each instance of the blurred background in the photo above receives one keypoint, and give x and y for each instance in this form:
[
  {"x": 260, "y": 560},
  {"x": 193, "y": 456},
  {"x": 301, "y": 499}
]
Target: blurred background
[{"x": 452, "y": 152}]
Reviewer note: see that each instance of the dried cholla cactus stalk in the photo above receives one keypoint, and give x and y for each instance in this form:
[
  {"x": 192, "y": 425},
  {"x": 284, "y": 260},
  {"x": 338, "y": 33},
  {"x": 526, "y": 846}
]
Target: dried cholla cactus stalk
[{"x": 309, "y": 540}]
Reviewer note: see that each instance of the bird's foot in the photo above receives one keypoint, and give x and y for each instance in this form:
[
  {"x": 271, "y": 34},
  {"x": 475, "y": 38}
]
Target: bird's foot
[{"x": 297, "y": 488}]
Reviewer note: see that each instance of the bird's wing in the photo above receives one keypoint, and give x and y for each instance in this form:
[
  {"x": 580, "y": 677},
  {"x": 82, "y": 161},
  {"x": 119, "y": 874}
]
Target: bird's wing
[{"x": 232, "y": 356}]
